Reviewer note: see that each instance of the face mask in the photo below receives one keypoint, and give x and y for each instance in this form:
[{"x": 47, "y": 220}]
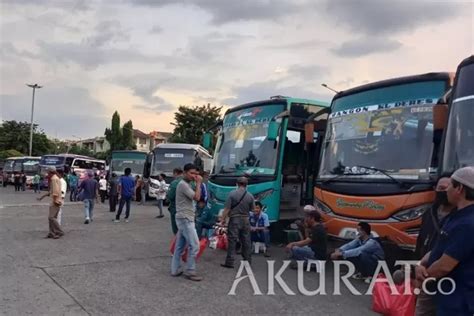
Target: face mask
[{"x": 442, "y": 198}]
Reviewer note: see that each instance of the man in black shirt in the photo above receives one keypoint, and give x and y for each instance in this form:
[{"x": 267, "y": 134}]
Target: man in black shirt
[{"x": 314, "y": 246}]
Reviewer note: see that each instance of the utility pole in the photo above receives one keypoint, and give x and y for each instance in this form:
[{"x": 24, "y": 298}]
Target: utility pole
[{"x": 34, "y": 86}]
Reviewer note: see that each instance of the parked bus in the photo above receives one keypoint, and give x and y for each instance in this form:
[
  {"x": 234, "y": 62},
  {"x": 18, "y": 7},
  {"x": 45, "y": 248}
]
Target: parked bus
[
  {"x": 133, "y": 159},
  {"x": 379, "y": 157},
  {"x": 7, "y": 173},
  {"x": 25, "y": 164},
  {"x": 266, "y": 141},
  {"x": 71, "y": 163},
  {"x": 458, "y": 144},
  {"x": 166, "y": 157}
]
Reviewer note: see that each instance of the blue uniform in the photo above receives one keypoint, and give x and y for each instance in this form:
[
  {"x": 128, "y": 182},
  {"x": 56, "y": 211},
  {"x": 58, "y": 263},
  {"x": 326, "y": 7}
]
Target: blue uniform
[{"x": 457, "y": 241}]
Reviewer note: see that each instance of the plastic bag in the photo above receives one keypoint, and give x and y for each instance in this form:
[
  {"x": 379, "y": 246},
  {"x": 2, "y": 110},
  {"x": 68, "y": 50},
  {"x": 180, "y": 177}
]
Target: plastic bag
[
  {"x": 388, "y": 304},
  {"x": 213, "y": 242},
  {"x": 184, "y": 256},
  {"x": 222, "y": 242}
]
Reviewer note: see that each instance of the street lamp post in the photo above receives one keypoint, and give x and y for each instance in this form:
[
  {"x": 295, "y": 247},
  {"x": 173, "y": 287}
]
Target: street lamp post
[
  {"x": 329, "y": 88},
  {"x": 34, "y": 86}
]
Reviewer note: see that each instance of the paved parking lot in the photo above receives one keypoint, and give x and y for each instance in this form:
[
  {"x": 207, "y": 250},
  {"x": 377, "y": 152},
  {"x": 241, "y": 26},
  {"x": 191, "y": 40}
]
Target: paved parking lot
[{"x": 123, "y": 269}]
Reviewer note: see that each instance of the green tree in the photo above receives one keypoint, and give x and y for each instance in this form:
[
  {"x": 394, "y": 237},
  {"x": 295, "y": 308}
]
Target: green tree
[
  {"x": 9, "y": 153},
  {"x": 114, "y": 133},
  {"x": 77, "y": 150},
  {"x": 191, "y": 122},
  {"x": 16, "y": 135},
  {"x": 127, "y": 136}
]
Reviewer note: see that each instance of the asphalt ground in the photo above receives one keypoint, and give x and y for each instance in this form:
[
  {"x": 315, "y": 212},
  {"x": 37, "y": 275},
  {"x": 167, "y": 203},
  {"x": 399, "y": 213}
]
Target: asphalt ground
[{"x": 107, "y": 268}]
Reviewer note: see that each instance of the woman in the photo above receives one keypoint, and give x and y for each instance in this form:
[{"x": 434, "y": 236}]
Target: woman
[{"x": 161, "y": 196}]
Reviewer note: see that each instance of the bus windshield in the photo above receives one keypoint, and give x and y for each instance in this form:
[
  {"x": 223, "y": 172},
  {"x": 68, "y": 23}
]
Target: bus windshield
[
  {"x": 8, "y": 165},
  {"x": 459, "y": 143},
  {"x": 167, "y": 159},
  {"x": 119, "y": 165},
  {"x": 243, "y": 147},
  {"x": 18, "y": 165},
  {"x": 393, "y": 134},
  {"x": 30, "y": 167}
]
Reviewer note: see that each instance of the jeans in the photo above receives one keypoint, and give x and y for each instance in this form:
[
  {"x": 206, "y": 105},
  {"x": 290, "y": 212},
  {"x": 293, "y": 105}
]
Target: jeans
[
  {"x": 143, "y": 196},
  {"x": 103, "y": 194},
  {"x": 88, "y": 208},
  {"x": 302, "y": 253},
  {"x": 123, "y": 201},
  {"x": 174, "y": 227},
  {"x": 37, "y": 188},
  {"x": 261, "y": 236},
  {"x": 160, "y": 206},
  {"x": 113, "y": 202},
  {"x": 54, "y": 227},
  {"x": 186, "y": 236},
  {"x": 238, "y": 230},
  {"x": 73, "y": 195},
  {"x": 365, "y": 264}
]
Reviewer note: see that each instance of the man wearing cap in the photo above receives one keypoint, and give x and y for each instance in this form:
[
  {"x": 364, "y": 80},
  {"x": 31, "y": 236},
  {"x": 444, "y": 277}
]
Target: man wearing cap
[
  {"x": 55, "y": 230},
  {"x": 453, "y": 255},
  {"x": 314, "y": 246},
  {"x": 238, "y": 206}
]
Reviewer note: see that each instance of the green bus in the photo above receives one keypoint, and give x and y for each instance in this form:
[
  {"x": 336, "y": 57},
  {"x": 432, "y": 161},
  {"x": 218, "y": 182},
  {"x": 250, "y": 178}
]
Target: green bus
[
  {"x": 266, "y": 142},
  {"x": 133, "y": 159}
]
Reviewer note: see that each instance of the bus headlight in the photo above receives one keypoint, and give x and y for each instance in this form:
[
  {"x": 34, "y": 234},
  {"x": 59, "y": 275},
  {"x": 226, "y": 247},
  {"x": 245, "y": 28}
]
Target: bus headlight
[
  {"x": 323, "y": 207},
  {"x": 412, "y": 213},
  {"x": 261, "y": 195}
]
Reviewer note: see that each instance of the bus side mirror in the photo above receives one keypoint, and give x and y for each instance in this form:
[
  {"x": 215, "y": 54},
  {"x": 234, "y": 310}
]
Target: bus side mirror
[
  {"x": 440, "y": 116},
  {"x": 272, "y": 133},
  {"x": 309, "y": 132},
  {"x": 147, "y": 167},
  {"x": 207, "y": 140}
]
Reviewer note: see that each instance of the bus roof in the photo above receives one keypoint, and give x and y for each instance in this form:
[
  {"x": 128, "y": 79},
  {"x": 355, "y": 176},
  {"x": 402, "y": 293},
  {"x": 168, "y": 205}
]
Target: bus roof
[
  {"x": 469, "y": 60},
  {"x": 129, "y": 151},
  {"x": 22, "y": 157},
  {"x": 182, "y": 146},
  {"x": 277, "y": 100},
  {"x": 69, "y": 155},
  {"x": 432, "y": 76}
]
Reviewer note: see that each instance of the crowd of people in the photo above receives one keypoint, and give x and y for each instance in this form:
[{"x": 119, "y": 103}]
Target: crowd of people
[{"x": 445, "y": 246}]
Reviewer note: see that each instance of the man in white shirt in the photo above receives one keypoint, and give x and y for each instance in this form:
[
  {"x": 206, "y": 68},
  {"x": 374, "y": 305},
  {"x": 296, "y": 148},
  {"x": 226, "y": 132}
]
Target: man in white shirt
[
  {"x": 63, "y": 193},
  {"x": 102, "y": 189}
]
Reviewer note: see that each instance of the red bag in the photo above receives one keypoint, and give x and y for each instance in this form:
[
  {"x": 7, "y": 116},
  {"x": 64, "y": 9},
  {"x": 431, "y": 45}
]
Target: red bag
[
  {"x": 184, "y": 256},
  {"x": 388, "y": 304},
  {"x": 222, "y": 242}
]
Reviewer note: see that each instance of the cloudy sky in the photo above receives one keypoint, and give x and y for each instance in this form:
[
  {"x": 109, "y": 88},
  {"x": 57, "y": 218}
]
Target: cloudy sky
[{"x": 146, "y": 57}]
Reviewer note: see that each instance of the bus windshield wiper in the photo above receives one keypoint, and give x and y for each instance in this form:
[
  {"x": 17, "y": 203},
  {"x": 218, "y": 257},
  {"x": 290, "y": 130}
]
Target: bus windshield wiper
[{"x": 384, "y": 172}]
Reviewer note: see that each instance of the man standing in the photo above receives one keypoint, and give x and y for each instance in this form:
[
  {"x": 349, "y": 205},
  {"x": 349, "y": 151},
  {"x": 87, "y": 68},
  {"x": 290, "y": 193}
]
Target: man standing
[
  {"x": 238, "y": 206},
  {"x": 185, "y": 215},
  {"x": 36, "y": 183},
  {"x": 73, "y": 180},
  {"x": 113, "y": 192},
  {"x": 63, "y": 194},
  {"x": 453, "y": 255},
  {"x": 126, "y": 191},
  {"x": 171, "y": 196},
  {"x": 55, "y": 230},
  {"x": 428, "y": 236},
  {"x": 102, "y": 189},
  {"x": 90, "y": 189},
  {"x": 23, "y": 182}
]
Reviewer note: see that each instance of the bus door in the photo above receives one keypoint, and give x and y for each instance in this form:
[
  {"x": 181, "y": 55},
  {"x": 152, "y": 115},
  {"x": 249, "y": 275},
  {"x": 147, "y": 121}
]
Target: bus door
[{"x": 293, "y": 173}]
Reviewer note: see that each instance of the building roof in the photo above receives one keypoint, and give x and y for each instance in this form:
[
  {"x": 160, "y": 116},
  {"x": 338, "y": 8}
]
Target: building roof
[
  {"x": 138, "y": 133},
  {"x": 160, "y": 135}
]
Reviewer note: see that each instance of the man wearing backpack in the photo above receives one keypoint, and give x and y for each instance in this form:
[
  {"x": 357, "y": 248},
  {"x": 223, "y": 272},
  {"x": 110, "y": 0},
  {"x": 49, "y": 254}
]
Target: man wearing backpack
[
  {"x": 364, "y": 252},
  {"x": 238, "y": 206}
]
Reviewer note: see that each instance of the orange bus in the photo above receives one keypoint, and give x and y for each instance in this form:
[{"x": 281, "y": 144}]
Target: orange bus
[{"x": 379, "y": 157}]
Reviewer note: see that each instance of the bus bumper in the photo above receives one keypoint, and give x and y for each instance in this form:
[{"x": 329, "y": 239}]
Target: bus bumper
[{"x": 402, "y": 233}]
